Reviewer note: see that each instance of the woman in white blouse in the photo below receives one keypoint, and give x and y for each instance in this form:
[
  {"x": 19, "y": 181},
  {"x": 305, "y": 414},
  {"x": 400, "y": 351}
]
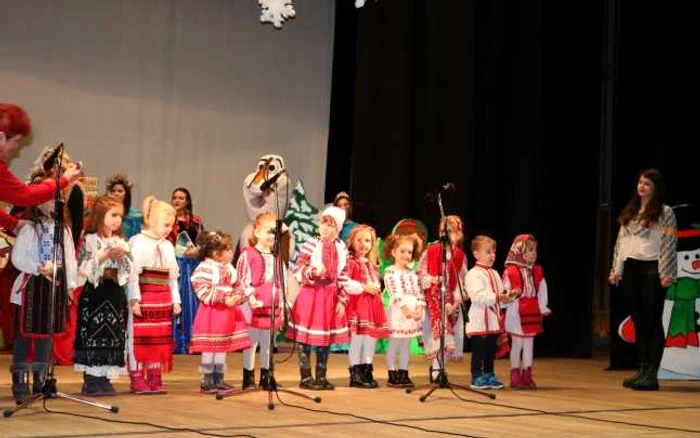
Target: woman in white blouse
[{"x": 644, "y": 263}]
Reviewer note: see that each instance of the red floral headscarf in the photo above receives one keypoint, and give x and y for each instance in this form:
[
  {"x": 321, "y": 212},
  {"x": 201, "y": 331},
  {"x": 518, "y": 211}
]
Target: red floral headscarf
[{"x": 516, "y": 255}]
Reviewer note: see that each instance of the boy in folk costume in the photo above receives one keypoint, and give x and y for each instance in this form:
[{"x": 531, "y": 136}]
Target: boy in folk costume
[
  {"x": 318, "y": 315},
  {"x": 524, "y": 280},
  {"x": 153, "y": 297},
  {"x": 33, "y": 256},
  {"x": 486, "y": 294}
]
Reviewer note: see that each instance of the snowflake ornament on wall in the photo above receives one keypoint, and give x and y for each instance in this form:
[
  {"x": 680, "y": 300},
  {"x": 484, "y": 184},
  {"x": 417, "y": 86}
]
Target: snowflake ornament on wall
[
  {"x": 361, "y": 3},
  {"x": 276, "y": 11}
]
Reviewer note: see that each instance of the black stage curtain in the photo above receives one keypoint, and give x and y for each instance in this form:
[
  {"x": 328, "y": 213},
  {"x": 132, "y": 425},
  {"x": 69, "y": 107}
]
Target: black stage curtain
[{"x": 501, "y": 98}]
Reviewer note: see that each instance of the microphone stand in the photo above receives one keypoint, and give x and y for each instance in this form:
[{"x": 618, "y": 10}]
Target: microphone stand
[
  {"x": 270, "y": 383},
  {"x": 49, "y": 389},
  {"x": 441, "y": 381}
]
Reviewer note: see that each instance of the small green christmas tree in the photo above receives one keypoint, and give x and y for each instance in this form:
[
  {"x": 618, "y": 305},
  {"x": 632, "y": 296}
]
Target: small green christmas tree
[{"x": 302, "y": 220}]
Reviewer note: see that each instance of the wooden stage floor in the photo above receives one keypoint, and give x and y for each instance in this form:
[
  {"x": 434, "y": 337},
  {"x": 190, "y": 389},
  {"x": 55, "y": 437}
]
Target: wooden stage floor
[{"x": 576, "y": 398}]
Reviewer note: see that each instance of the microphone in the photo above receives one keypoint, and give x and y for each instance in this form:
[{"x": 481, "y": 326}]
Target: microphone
[
  {"x": 267, "y": 184},
  {"x": 447, "y": 187},
  {"x": 50, "y": 161}
]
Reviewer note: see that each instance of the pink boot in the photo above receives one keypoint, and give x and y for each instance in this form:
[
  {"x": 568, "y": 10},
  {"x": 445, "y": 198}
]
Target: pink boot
[
  {"x": 528, "y": 382},
  {"x": 155, "y": 381},
  {"x": 138, "y": 384},
  {"x": 516, "y": 378}
]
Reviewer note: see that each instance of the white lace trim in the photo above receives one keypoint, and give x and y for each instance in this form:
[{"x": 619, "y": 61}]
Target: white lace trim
[{"x": 101, "y": 371}]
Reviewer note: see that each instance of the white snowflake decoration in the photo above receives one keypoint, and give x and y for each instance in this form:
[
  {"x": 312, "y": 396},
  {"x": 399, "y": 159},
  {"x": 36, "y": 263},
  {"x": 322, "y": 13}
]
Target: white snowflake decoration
[
  {"x": 361, "y": 3},
  {"x": 276, "y": 11}
]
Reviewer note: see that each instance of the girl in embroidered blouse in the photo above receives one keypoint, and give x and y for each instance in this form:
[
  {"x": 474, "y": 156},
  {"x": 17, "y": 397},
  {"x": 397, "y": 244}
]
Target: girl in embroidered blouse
[
  {"x": 256, "y": 271},
  {"x": 220, "y": 325},
  {"x": 431, "y": 265},
  {"x": 406, "y": 308},
  {"x": 100, "y": 339},
  {"x": 524, "y": 280},
  {"x": 645, "y": 262},
  {"x": 318, "y": 314},
  {"x": 153, "y": 299},
  {"x": 366, "y": 315}
]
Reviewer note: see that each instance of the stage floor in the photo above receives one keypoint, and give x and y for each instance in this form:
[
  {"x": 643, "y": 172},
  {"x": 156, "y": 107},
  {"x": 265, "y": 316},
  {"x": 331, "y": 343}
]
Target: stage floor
[{"x": 576, "y": 398}]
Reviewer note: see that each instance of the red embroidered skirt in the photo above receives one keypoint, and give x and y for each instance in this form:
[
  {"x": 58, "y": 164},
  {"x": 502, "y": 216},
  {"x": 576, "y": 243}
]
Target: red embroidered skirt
[
  {"x": 218, "y": 329},
  {"x": 153, "y": 330},
  {"x": 367, "y": 316},
  {"x": 261, "y": 315},
  {"x": 313, "y": 320},
  {"x": 530, "y": 316}
]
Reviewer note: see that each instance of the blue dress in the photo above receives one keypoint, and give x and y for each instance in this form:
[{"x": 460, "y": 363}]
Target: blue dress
[
  {"x": 132, "y": 222},
  {"x": 182, "y": 329}
]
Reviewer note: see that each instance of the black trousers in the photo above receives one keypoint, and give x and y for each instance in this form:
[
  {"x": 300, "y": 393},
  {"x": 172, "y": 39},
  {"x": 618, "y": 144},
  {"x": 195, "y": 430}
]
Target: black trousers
[
  {"x": 483, "y": 354},
  {"x": 644, "y": 297}
]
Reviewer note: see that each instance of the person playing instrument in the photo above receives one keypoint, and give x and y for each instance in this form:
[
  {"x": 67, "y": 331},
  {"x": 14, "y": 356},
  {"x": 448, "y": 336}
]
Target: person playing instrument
[{"x": 38, "y": 317}]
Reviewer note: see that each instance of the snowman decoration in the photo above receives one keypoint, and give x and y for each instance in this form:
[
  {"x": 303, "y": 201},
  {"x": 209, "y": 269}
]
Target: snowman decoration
[{"x": 681, "y": 359}]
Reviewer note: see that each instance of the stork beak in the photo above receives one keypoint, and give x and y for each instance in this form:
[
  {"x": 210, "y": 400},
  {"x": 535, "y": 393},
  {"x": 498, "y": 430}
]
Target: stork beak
[{"x": 259, "y": 177}]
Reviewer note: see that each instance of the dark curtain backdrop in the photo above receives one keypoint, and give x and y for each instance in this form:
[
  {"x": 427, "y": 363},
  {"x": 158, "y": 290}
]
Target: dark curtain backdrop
[{"x": 503, "y": 99}]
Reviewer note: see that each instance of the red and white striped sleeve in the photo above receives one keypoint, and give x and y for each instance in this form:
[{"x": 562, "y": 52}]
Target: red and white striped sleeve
[{"x": 203, "y": 285}]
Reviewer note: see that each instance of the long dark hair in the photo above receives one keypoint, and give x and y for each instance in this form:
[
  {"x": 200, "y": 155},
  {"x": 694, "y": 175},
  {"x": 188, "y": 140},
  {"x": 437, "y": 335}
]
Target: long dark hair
[
  {"x": 188, "y": 206},
  {"x": 656, "y": 203},
  {"x": 123, "y": 181}
]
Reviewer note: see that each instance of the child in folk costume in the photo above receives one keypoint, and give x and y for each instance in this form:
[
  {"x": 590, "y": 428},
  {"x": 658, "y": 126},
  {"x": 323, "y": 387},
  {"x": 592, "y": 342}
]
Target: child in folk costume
[
  {"x": 219, "y": 326},
  {"x": 406, "y": 308},
  {"x": 431, "y": 265},
  {"x": 417, "y": 230},
  {"x": 366, "y": 316},
  {"x": 100, "y": 341},
  {"x": 524, "y": 280},
  {"x": 256, "y": 270},
  {"x": 33, "y": 255},
  {"x": 486, "y": 293},
  {"x": 153, "y": 298},
  {"x": 318, "y": 315}
]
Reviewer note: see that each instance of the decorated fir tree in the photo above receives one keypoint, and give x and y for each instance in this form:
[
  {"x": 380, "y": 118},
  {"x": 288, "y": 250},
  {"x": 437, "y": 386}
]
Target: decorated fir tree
[{"x": 301, "y": 218}]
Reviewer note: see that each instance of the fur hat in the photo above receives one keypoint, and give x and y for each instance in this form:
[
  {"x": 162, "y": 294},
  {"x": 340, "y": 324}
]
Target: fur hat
[{"x": 338, "y": 214}]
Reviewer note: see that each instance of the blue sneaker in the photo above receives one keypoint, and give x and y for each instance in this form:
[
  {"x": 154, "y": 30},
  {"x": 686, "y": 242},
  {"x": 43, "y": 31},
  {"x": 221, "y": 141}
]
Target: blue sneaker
[
  {"x": 492, "y": 382},
  {"x": 480, "y": 382}
]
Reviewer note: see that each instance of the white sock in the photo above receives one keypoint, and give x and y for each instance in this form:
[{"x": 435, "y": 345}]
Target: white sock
[
  {"x": 528, "y": 352},
  {"x": 404, "y": 353},
  {"x": 516, "y": 349},
  {"x": 391, "y": 353},
  {"x": 355, "y": 350},
  {"x": 368, "y": 349}
]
